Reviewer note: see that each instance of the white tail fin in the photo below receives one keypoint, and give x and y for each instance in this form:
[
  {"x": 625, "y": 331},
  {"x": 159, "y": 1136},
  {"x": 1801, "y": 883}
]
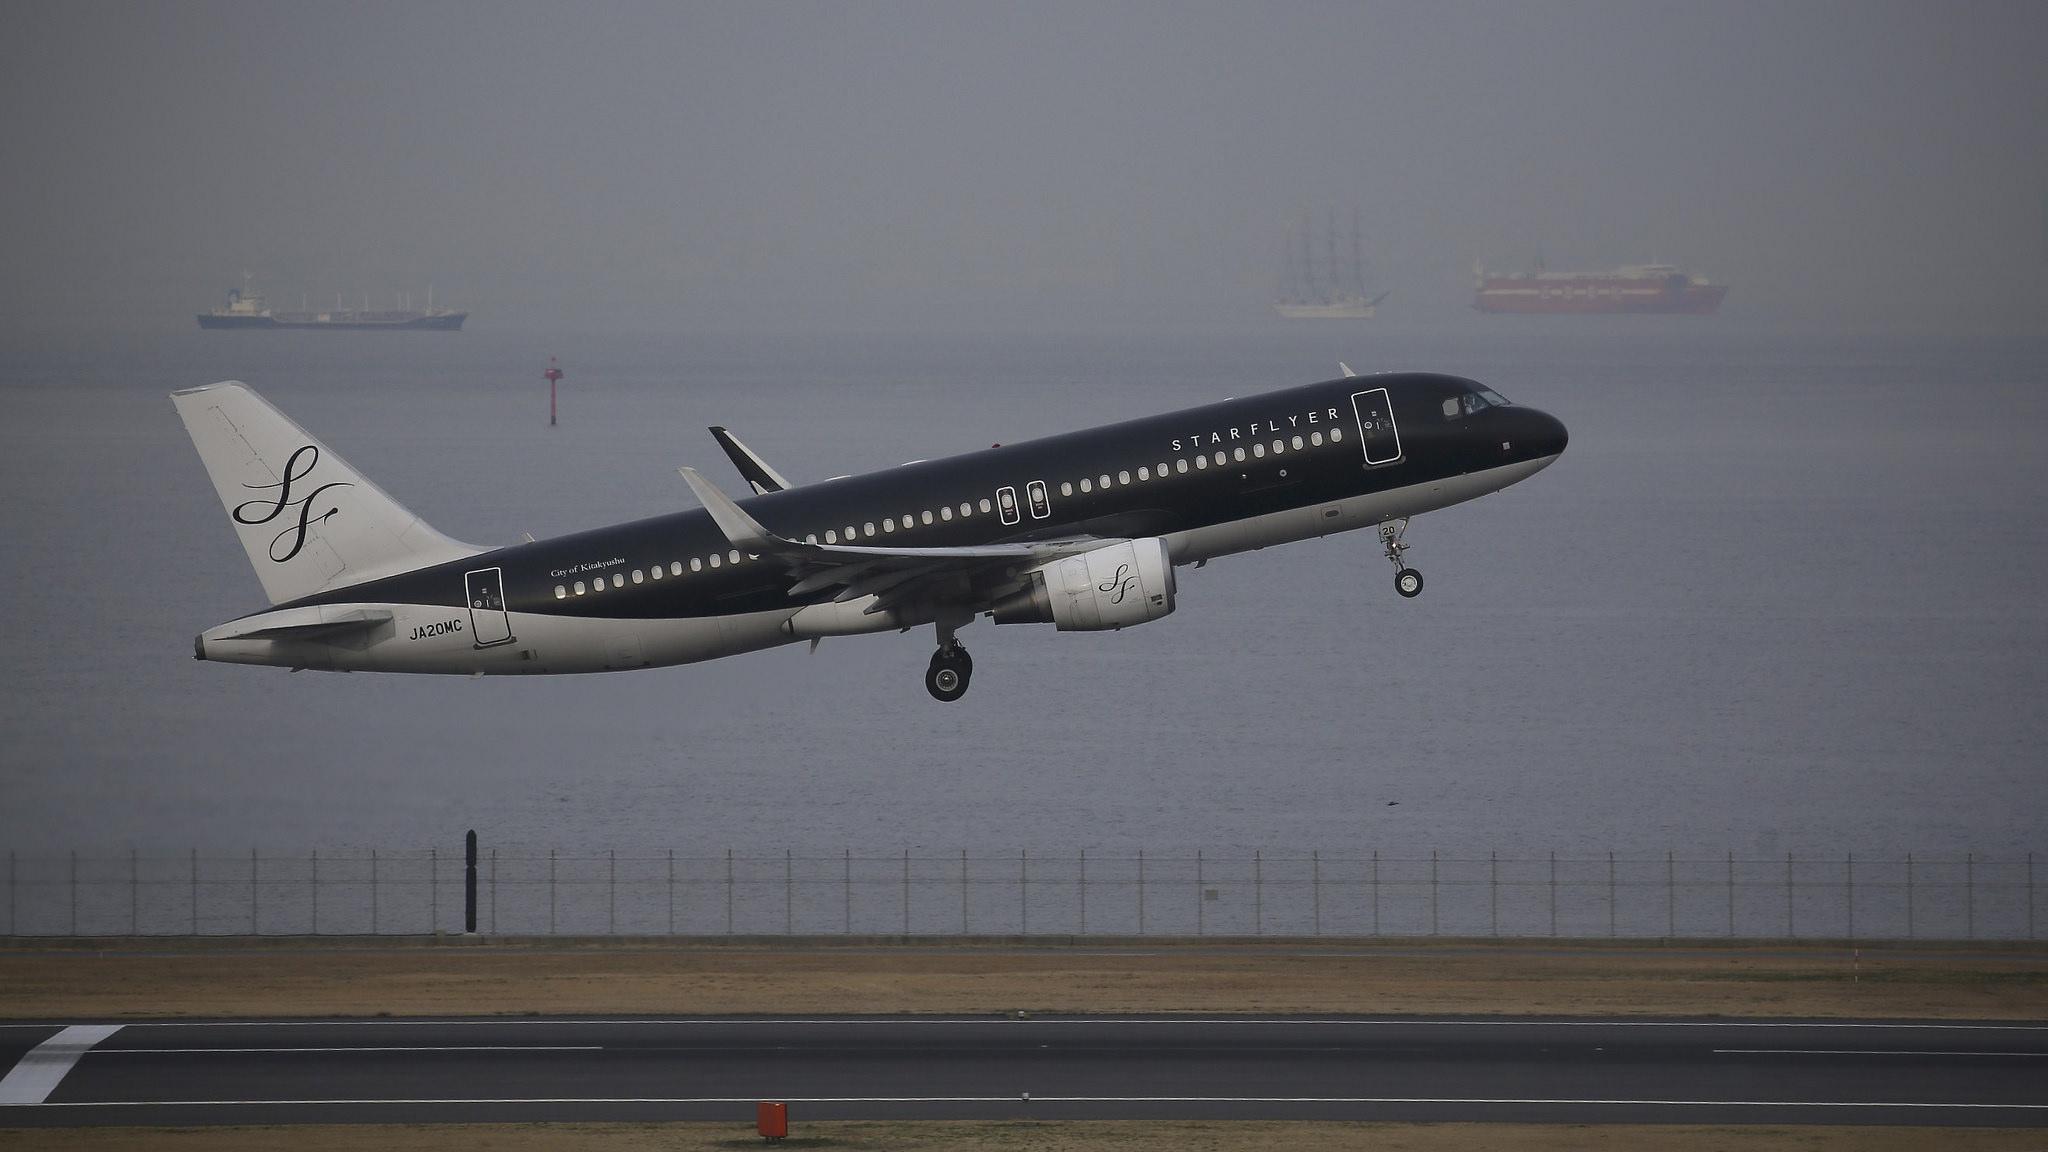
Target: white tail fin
[{"x": 308, "y": 521}]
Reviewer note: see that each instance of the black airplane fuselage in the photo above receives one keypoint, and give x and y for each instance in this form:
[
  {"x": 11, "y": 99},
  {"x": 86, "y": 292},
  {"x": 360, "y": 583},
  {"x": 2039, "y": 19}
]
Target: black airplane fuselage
[{"x": 1244, "y": 473}]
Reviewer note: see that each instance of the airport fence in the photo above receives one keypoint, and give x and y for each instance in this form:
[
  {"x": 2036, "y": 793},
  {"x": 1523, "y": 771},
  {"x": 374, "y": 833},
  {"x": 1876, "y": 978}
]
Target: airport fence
[{"x": 1358, "y": 894}]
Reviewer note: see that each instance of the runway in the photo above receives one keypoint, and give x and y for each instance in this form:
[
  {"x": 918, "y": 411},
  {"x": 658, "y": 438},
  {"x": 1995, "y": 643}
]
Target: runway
[{"x": 714, "y": 1068}]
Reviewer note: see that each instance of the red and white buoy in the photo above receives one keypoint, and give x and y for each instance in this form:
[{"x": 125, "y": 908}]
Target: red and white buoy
[{"x": 553, "y": 374}]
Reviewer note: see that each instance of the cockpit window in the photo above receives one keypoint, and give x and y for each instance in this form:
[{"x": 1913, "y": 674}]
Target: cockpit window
[{"x": 1459, "y": 407}]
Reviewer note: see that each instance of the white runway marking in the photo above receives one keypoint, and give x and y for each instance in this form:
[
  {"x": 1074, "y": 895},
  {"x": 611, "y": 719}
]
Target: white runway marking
[
  {"x": 1860, "y": 1052},
  {"x": 1461, "y": 1100},
  {"x": 364, "y": 1048},
  {"x": 928, "y": 1022},
  {"x": 37, "y": 1075}
]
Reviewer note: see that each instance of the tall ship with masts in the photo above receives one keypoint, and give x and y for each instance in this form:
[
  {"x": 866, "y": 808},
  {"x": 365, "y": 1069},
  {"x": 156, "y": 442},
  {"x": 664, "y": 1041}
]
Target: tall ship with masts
[
  {"x": 246, "y": 309},
  {"x": 1332, "y": 288}
]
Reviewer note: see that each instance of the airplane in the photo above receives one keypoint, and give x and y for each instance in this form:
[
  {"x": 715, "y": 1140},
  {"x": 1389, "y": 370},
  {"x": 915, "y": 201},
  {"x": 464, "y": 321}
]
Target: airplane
[{"x": 1082, "y": 531}]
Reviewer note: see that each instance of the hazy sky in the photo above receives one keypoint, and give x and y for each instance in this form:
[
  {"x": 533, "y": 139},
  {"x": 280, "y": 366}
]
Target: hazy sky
[{"x": 911, "y": 166}]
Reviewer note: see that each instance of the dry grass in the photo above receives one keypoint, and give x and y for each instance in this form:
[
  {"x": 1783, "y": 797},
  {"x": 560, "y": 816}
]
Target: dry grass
[
  {"x": 291, "y": 978},
  {"x": 1120, "y": 1136}
]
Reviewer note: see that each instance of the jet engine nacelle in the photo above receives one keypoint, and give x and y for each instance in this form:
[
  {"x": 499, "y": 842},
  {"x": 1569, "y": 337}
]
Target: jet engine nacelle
[{"x": 1114, "y": 586}]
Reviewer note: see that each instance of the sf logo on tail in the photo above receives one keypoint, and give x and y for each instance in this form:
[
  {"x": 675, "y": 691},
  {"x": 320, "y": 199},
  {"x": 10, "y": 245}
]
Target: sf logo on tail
[{"x": 267, "y": 509}]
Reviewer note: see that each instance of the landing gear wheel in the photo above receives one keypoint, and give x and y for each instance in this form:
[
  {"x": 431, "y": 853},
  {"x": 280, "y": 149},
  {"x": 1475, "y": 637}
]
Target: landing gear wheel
[
  {"x": 1407, "y": 581},
  {"x": 949, "y": 674}
]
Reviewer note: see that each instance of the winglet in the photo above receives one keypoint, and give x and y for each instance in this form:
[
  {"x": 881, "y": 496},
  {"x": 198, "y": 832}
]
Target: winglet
[
  {"x": 755, "y": 470},
  {"x": 742, "y": 530}
]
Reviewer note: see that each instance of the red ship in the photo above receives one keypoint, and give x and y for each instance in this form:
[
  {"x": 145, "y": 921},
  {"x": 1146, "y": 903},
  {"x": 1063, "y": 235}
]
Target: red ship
[{"x": 1639, "y": 288}]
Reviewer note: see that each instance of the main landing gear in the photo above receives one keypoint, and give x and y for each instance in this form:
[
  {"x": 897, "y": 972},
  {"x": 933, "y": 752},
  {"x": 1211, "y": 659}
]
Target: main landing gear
[
  {"x": 950, "y": 670},
  {"x": 1407, "y": 581}
]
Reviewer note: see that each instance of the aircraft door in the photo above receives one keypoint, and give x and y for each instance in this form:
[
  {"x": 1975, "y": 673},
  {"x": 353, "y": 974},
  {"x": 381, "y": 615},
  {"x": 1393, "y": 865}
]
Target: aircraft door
[
  {"x": 488, "y": 621},
  {"x": 1006, "y": 504},
  {"x": 1376, "y": 431},
  {"x": 1041, "y": 507}
]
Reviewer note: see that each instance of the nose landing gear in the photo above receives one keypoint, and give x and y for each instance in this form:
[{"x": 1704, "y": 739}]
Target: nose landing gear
[{"x": 1407, "y": 581}]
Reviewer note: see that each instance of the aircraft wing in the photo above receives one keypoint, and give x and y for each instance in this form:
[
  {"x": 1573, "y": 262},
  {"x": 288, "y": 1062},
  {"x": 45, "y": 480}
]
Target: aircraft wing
[
  {"x": 758, "y": 474},
  {"x": 857, "y": 571}
]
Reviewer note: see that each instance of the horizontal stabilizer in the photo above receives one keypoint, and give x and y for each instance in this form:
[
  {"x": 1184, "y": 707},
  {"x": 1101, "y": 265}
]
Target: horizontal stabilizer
[{"x": 312, "y": 623}]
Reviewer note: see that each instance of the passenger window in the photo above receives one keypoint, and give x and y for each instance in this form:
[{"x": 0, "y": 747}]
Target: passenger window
[
  {"x": 927, "y": 517},
  {"x": 1316, "y": 438},
  {"x": 579, "y": 587},
  {"x": 984, "y": 504},
  {"x": 1144, "y": 473},
  {"x": 1103, "y": 479},
  {"x": 868, "y": 528},
  {"x": 676, "y": 568},
  {"x": 831, "y": 537},
  {"x": 1297, "y": 443},
  {"x": 637, "y": 578},
  {"x": 1201, "y": 462},
  {"x": 1336, "y": 434},
  {"x": 1066, "y": 488},
  {"x": 966, "y": 509},
  {"x": 889, "y": 525},
  {"x": 696, "y": 564},
  {"x": 715, "y": 560},
  {"x": 1221, "y": 459},
  {"x": 734, "y": 556},
  {"x": 1123, "y": 477},
  {"x": 908, "y": 522},
  {"x": 1258, "y": 450},
  {"x": 618, "y": 580},
  {"x": 1087, "y": 485},
  {"x": 1279, "y": 446},
  {"x": 946, "y": 513},
  {"x": 1180, "y": 466},
  {"x": 561, "y": 593}
]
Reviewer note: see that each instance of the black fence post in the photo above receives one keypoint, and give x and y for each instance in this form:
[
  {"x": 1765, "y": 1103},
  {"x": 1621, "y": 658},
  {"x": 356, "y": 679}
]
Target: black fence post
[
  {"x": 1432, "y": 892},
  {"x": 1141, "y": 891},
  {"x": 316, "y": 891},
  {"x": 1258, "y": 893},
  {"x": 1970, "y": 895},
  {"x": 1315, "y": 883},
  {"x": 195, "y": 891},
  {"x": 1082, "y": 885},
  {"x": 1610, "y": 892},
  {"x": 469, "y": 883},
  {"x": 1553, "y": 891}
]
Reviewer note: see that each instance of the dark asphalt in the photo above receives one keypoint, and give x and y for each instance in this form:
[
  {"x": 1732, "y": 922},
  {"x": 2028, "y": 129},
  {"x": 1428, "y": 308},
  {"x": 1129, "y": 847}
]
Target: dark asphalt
[{"x": 1414, "y": 1069}]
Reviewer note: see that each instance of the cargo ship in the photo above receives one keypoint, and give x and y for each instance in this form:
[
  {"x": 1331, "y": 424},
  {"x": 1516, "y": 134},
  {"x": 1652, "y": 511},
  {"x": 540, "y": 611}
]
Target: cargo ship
[
  {"x": 247, "y": 310},
  {"x": 1330, "y": 289},
  {"x": 1642, "y": 288}
]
